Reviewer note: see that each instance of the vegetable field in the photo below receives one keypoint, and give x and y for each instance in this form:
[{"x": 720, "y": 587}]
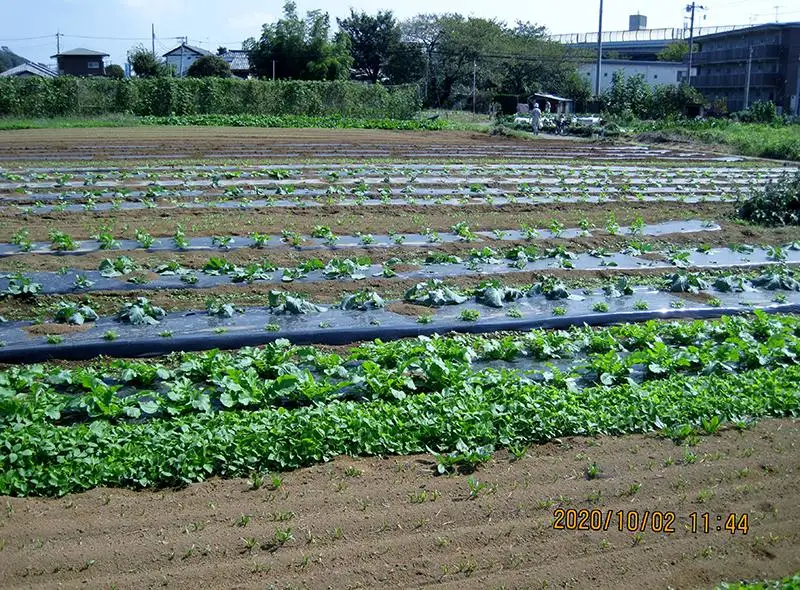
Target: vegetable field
[{"x": 406, "y": 350}]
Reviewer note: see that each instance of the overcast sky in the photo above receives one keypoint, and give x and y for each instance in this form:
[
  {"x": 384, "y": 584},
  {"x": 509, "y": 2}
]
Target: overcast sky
[{"x": 113, "y": 26}]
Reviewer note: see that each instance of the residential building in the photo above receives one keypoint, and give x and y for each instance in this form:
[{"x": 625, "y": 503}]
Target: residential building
[
  {"x": 770, "y": 52},
  {"x": 81, "y": 62},
  {"x": 239, "y": 62},
  {"x": 184, "y": 56},
  {"x": 28, "y": 69},
  {"x": 656, "y": 73}
]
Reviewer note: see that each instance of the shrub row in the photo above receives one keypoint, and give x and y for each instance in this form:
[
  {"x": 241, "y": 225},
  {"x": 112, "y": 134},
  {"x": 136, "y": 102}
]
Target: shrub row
[{"x": 68, "y": 96}]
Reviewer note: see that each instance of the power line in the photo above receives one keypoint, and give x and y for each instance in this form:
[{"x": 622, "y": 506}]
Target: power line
[{"x": 27, "y": 38}]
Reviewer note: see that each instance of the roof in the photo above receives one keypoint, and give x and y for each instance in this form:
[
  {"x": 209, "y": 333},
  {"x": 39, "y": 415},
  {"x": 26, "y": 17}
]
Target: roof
[
  {"x": 80, "y": 51},
  {"x": 29, "y": 68},
  {"x": 551, "y": 97},
  {"x": 637, "y": 62},
  {"x": 238, "y": 59},
  {"x": 748, "y": 30},
  {"x": 192, "y": 48}
]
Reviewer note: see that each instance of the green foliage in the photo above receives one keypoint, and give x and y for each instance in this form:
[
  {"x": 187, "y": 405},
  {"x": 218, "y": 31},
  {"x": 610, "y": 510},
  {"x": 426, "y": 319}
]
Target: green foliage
[
  {"x": 21, "y": 287},
  {"x": 632, "y": 97},
  {"x": 115, "y": 71},
  {"x": 209, "y": 66},
  {"x": 140, "y": 313},
  {"x": 676, "y": 51},
  {"x": 373, "y": 41},
  {"x": 68, "y": 312},
  {"x": 301, "y": 48},
  {"x": 272, "y": 104},
  {"x": 145, "y": 64},
  {"x": 777, "y": 203},
  {"x": 760, "y": 111},
  {"x": 433, "y": 293}
]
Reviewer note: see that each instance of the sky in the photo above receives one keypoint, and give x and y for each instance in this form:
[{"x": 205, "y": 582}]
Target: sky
[{"x": 29, "y": 27}]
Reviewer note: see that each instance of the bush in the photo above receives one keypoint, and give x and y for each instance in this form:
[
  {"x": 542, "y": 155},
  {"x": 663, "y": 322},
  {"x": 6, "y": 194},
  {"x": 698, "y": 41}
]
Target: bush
[
  {"x": 164, "y": 96},
  {"x": 759, "y": 112},
  {"x": 778, "y": 203},
  {"x": 209, "y": 66}
]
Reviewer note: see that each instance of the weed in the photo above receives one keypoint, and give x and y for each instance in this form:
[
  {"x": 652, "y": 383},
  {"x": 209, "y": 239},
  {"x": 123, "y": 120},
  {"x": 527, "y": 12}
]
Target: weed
[
  {"x": 469, "y": 315},
  {"x": 592, "y": 471}
]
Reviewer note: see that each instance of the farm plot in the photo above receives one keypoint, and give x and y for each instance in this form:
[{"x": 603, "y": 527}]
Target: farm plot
[{"x": 475, "y": 308}]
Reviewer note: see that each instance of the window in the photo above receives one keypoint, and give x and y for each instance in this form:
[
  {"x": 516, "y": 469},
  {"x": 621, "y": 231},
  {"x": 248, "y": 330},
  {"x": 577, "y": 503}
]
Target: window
[
  {"x": 93, "y": 65},
  {"x": 655, "y": 76}
]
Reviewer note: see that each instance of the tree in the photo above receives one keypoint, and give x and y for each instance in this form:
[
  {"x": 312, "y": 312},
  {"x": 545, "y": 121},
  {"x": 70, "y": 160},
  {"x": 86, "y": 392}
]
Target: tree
[
  {"x": 145, "y": 64},
  {"x": 222, "y": 50},
  {"x": 9, "y": 59},
  {"x": 676, "y": 51},
  {"x": 115, "y": 71},
  {"x": 373, "y": 39},
  {"x": 209, "y": 66},
  {"x": 301, "y": 49}
]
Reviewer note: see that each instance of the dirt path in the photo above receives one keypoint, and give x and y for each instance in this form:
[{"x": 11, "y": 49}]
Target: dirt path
[{"x": 363, "y": 523}]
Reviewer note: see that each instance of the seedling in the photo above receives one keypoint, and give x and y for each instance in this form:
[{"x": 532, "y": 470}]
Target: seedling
[
  {"x": 54, "y": 339},
  {"x": 556, "y": 228},
  {"x": 475, "y": 487},
  {"x": 641, "y": 305},
  {"x": 145, "y": 240},
  {"x": 110, "y": 335},
  {"x": 272, "y": 328},
  {"x": 259, "y": 240},
  {"x": 469, "y": 315},
  {"x": 559, "y": 310},
  {"x": 179, "y": 238},
  {"x": 61, "y": 241},
  {"x": 222, "y": 242},
  {"x": 166, "y": 334},
  {"x": 514, "y": 313},
  {"x": 107, "y": 241},
  {"x": 81, "y": 281},
  {"x": 21, "y": 239},
  {"x": 592, "y": 471},
  {"x": 425, "y": 318}
]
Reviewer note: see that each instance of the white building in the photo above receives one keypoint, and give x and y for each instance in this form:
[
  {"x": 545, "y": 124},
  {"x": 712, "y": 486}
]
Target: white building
[
  {"x": 656, "y": 73},
  {"x": 183, "y": 56}
]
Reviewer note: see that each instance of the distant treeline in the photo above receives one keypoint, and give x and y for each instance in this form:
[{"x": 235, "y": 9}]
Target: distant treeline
[{"x": 68, "y": 96}]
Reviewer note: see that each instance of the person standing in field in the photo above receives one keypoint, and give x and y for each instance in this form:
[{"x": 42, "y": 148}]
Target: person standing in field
[{"x": 536, "y": 118}]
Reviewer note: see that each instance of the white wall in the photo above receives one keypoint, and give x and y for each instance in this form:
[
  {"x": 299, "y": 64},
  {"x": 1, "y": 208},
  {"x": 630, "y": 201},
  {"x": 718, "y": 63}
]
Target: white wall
[
  {"x": 655, "y": 73},
  {"x": 189, "y": 58}
]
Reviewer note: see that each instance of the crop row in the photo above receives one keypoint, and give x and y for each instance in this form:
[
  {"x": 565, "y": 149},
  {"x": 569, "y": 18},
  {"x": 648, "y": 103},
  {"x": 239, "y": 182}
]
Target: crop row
[
  {"x": 487, "y": 408},
  {"x": 322, "y": 235},
  {"x": 333, "y": 173},
  {"x": 284, "y": 375}
]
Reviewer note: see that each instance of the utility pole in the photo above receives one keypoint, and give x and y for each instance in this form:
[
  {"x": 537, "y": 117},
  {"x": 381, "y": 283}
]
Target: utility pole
[
  {"x": 747, "y": 79},
  {"x": 58, "y": 43},
  {"x": 691, "y": 8},
  {"x": 153, "y": 38},
  {"x": 181, "y": 68},
  {"x": 273, "y": 70},
  {"x": 474, "y": 87},
  {"x": 599, "y": 52}
]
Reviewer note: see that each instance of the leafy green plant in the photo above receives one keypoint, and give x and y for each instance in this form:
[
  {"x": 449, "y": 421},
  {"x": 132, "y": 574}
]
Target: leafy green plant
[
  {"x": 559, "y": 310},
  {"x": 68, "y": 312},
  {"x": 433, "y": 293},
  {"x": 777, "y": 203},
  {"x": 121, "y": 265},
  {"x": 140, "y": 312},
  {"x": 179, "y": 238},
  {"x": 22, "y": 240},
  {"x": 464, "y": 459},
  {"x": 362, "y": 300},
  {"x": 106, "y": 240},
  {"x": 425, "y": 318},
  {"x": 54, "y": 339},
  {"x": 462, "y": 230},
  {"x": 110, "y": 335},
  {"x": 259, "y": 240},
  {"x": 61, "y": 241},
  {"x": 600, "y": 306},
  {"x": 145, "y": 240},
  {"x": 493, "y": 294},
  {"x": 280, "y": 302},
  {"x": 219, "y": 308},
  {"x": 21, "y": 287},
  {"x": 223, "y": 242},
  {"x": 469, "y": 315},
  {"x": 81, "y": 281}
]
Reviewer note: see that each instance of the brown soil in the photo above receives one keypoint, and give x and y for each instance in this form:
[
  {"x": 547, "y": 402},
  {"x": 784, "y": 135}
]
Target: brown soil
[
  {"x": 364, "y": 523},
  {"x": 349, "y": 219},
  {"x": 59, "y": 329},
  {"x": 408, "y": 309},
  {"x": 173, "y": 143}
]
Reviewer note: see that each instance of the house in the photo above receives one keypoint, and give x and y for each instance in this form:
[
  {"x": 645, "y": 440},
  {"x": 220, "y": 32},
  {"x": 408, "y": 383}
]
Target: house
[
  {"x": 557, "y": 104},
  {"x": 239, "y": 61},
  {"x": 81, "y": 62},
  {"x": 184, "y": 56},
  {"x": 28, "y": 69},
  {"x": 656, "y": 73},
  {"x": 771, "y": 53}
]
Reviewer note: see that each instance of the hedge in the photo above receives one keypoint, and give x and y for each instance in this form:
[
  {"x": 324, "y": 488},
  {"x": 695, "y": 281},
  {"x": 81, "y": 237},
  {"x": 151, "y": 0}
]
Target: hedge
[{"x": 68, "y": 96}]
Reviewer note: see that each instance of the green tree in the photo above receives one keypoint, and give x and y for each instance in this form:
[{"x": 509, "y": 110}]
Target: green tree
[
  {"x": 145, "y": 64},
  {"x": 302, "y": 49},
  {"x": 115, "y": 71},
  {"x": 676, "y": 51},
  {"x": 209, "y": 66},
  {"x": 373, "y": 40},
  {"x": 222, "y": 50}
]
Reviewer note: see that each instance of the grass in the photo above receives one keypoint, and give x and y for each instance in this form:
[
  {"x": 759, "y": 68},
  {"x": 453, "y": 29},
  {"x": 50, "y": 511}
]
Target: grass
[
  {"x": 748, "y": 139},
  {"x": 117, "y": 120}
]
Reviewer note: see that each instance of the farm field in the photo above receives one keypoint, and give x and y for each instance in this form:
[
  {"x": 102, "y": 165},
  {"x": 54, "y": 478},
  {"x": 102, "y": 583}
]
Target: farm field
[{"x": 556, "y": 324}]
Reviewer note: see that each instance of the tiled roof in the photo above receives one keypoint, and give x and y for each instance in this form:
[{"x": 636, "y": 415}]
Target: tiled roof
[
  {"x": 30, "y": 68},
  {"x": 80, "y": 51},
  {"x": 192, "y": 48},
  {"x": 238, "y": 59}
]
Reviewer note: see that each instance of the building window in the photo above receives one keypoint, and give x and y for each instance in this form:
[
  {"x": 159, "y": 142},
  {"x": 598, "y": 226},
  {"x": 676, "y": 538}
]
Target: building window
[
  {"x": 655, "y": 76},
  {"x": 93, "y": 65}
]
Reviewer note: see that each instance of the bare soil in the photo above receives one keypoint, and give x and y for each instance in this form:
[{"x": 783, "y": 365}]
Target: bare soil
[
  {"x": 364, "y": 523},
  {"x": 182, "y": 143}
]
